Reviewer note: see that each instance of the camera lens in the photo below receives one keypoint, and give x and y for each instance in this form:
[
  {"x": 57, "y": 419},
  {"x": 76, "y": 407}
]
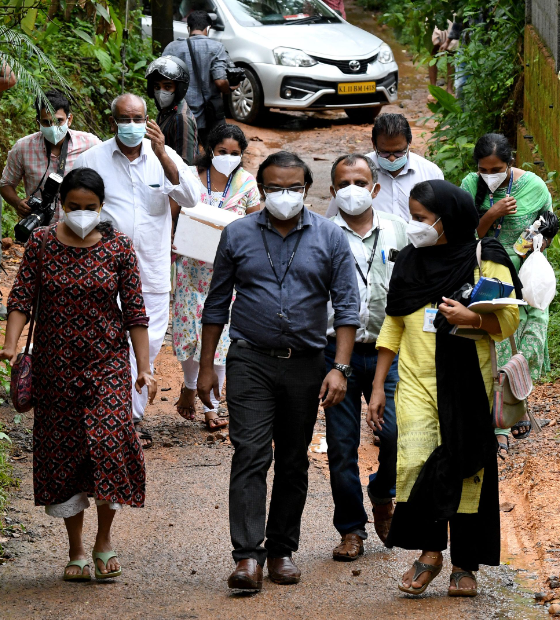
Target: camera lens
[{"x": 24, "y": 228}]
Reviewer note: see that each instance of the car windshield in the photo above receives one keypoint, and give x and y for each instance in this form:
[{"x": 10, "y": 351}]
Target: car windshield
[{"x": 274, "y": 12}]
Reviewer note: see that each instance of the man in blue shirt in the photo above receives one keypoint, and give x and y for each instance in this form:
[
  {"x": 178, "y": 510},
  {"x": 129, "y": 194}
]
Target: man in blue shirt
[
  {"x": 285, "y": 262},
  {"x": 211, "y": 82}
]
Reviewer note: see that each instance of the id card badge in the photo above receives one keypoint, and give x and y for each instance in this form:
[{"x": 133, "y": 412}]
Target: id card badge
[{"x": 429, "y": 317}]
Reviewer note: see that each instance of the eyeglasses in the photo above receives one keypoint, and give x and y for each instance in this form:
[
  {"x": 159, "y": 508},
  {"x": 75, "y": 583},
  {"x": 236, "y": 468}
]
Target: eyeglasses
[
  {"x": 387, "y": 154},
  {"x": 127, "y": 121},
  {"x": 48, "y": 123},
  {"x": 272, "y": 189}
]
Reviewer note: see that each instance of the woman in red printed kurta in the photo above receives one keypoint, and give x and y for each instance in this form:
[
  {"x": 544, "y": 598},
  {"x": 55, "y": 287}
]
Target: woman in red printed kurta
[{"x": 84, "y": 438}]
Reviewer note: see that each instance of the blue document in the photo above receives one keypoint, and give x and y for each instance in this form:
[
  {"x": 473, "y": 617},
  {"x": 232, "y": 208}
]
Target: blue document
[{"x": 489, "y": 288}]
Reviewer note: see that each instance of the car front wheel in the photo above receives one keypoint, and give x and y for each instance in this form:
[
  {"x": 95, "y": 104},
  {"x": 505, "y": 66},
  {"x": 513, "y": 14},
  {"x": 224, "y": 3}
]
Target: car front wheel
[
  {"x": 361, "y": 116},
  {"x": 246, "y": 101}
]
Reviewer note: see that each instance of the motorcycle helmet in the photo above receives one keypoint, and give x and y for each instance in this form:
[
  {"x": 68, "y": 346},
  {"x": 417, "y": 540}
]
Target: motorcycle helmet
[{"x": 172, "y": 68}]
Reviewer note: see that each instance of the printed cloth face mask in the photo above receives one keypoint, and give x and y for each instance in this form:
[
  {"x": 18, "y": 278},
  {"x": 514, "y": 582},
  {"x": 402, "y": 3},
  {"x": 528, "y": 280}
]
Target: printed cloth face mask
[
  {"x": 131, "y": 134},
  {"x": 422, "y": 235},
  {"x": 164, "y": 98},
  {"x": 226, "y": 164},
  {"x": 494, "y": 180},
  {"x": 81, "y": 222},
  {"x": 393, "y": 166},
  {"x": 55, "y": 133},
  {"x": 354, "y": 199},
  {"x": 284, "y": 205}
]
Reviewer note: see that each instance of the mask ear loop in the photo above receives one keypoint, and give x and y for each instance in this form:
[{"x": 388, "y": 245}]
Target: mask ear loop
[{"x": 434, "y": 227}]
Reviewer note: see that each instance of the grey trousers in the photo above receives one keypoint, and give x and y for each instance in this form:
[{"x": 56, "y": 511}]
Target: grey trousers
[{"x": 269, "y": 399}]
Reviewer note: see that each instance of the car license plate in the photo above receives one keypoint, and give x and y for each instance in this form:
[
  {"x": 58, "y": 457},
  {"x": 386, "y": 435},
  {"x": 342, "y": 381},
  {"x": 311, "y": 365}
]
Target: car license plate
[{"x": 356, "y": 88}]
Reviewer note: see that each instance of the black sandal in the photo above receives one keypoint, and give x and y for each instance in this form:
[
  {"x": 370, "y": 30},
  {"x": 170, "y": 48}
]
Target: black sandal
[
  {"x": 503, "y": 446},
  {"x": 144, "y": 435},
  {"x": 519, "y": 425}
]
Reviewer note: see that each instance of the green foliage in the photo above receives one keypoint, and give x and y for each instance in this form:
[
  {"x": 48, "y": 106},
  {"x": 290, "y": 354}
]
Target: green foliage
[
  {"x": 553, "y": 255},
  {"x": 489, "y": 56},
  {"x": 91, "y": 66},
  {"x": 7, "y": 479}
]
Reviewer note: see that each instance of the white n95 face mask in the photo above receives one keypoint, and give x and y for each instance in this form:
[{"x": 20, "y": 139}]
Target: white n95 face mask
[
  {"x": 422, "y": 235},
  {"x": 353, "y": 199},
  {"x": 226, "y": 164},
  {"x": 81, "y": 222},
  {"x": 284, "y": 205},
  {"x": 494, "y": 180},
  {"x": 164, "y": 98}
]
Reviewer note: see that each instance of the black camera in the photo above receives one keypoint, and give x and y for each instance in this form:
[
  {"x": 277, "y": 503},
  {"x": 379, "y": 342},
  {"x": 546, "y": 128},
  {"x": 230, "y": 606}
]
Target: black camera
[
  {"x": 235, "y": 75},
  {"x": 42, "y": 209}
]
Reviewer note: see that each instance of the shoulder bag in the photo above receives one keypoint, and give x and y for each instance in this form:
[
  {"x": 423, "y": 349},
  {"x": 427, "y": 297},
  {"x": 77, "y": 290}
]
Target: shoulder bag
[
  {"x": 213, "y": 107},
  {"x": 21, "y": 379},
  {"x": 512, "y": 382}
]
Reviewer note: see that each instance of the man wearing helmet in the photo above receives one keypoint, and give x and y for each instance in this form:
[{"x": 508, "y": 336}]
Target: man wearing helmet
[{"x": 168, "y": 82}]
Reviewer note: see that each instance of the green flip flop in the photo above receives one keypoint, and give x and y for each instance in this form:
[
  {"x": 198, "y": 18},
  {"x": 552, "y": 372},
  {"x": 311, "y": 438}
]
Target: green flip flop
[
  {"x": 104, "y": 556},
  {"x": 78, "y": 576}
]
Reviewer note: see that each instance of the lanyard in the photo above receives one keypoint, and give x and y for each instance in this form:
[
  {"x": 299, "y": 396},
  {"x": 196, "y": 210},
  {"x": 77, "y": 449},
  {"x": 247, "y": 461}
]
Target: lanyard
[
  {"x": 370, "y": 261},
  {"x": 291, "y": 257},
  {"x": 498, "y": 226},
  {"x": 61, "y": 160},
  {"x": 228, "y": 184}
]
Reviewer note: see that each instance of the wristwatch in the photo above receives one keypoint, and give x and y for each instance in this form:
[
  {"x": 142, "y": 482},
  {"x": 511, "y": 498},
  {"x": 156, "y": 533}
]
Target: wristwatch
[{"x": 345, "y": 369}]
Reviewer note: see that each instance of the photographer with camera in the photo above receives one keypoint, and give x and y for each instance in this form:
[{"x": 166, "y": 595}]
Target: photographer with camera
[
  {"x": 41, "y": 160},
  {"x": 208, "y": 64}
]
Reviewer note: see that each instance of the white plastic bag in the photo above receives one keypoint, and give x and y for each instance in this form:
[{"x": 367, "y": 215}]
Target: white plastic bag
[{"x": 537, "y": 278}]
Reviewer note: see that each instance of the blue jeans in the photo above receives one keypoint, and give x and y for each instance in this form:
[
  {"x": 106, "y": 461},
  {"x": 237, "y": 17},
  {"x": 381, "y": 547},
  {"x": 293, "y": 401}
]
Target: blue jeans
[{"x": 343, "y": 440}]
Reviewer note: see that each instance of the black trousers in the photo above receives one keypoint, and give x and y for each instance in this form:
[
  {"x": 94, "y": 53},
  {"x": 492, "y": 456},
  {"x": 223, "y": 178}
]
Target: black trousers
[
  {"x": 269, "y": 399},
  {"x": 474, "y": 539}
]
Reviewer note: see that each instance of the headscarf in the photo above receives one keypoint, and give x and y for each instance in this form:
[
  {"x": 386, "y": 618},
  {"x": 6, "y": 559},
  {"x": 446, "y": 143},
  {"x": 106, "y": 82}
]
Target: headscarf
[{"x": 425, "y": 275}]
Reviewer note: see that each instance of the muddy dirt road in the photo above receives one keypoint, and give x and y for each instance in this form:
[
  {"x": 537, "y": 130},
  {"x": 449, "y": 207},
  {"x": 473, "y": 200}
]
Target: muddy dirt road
[{"x": 176, "y": 551}]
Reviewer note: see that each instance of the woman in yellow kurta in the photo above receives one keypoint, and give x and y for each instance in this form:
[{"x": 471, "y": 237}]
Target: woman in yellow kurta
[{"x": 446, "y": 465}]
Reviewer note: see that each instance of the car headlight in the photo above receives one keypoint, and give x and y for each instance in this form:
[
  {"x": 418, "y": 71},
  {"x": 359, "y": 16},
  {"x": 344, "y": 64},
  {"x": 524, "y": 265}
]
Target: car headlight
[
  {"x": 385, "y": 54},
  {"x": 292, "y": 58}
]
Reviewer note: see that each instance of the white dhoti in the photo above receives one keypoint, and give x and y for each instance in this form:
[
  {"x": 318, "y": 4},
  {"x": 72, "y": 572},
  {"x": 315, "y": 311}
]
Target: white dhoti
[{"x": 157, "y": 308}]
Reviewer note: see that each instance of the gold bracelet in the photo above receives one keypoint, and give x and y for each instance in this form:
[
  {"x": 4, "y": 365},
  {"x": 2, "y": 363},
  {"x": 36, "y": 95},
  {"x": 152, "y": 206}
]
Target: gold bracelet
[{"x": 480, "y": 324}]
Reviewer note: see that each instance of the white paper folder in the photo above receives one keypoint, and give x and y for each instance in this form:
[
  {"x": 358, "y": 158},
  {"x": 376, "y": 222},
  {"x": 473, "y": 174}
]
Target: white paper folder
[{"x": 199, "y": 229}]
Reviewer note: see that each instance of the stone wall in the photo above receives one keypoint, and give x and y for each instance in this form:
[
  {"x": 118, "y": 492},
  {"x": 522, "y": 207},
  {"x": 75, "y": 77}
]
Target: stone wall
[
  {"x": 543, "y": 15},
  {"x": 541, "y": 103}
]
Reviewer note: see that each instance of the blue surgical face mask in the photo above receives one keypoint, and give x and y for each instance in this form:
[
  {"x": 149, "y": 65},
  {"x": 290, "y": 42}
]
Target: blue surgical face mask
[
  {"x": 131, "y": 134},
  {"x": 55, "y": 133},
  {"x": 392, "y": 166}
]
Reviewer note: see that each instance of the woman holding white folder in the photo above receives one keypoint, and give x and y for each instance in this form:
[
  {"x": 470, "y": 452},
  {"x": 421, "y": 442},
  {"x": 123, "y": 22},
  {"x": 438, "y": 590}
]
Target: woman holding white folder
[
  {"x": 447, "y": 475},
  {"x": 226, "y": 185}
]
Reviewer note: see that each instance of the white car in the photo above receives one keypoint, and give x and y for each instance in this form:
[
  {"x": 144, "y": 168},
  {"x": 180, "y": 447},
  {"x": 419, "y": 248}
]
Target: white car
[{"x": 297, "y": 55}]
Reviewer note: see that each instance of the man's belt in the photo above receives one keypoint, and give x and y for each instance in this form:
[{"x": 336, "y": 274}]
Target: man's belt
[{"x": 280, "y": 353}]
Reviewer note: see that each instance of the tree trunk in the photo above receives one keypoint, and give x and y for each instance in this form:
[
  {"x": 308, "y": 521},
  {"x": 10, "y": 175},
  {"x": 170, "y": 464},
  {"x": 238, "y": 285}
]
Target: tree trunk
[{"x": 162, "y": 24}]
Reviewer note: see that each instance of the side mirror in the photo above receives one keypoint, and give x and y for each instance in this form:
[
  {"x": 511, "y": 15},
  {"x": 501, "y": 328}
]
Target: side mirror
[{"x": 216, "y": 24}]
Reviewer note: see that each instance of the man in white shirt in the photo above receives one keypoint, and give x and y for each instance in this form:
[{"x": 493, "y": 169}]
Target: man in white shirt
[
  {"x": 140, "y": 176},
  {"x": 398, "y": 168},
  {"x": 375, "y": 239}
]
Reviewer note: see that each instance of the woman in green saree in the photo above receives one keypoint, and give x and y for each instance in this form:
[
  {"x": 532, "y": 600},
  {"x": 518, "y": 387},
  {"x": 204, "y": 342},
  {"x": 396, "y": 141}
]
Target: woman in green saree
[{"x": 509, "y": 200}]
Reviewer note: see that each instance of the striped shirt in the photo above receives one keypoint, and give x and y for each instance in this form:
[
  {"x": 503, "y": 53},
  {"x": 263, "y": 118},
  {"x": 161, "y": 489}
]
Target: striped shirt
[
  {"x": 178, "y": 125},
  {"x": 27, "y": 160}
]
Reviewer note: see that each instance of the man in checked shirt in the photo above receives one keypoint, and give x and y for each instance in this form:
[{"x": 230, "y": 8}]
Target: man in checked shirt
[{"x": 29, "y": 161}]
